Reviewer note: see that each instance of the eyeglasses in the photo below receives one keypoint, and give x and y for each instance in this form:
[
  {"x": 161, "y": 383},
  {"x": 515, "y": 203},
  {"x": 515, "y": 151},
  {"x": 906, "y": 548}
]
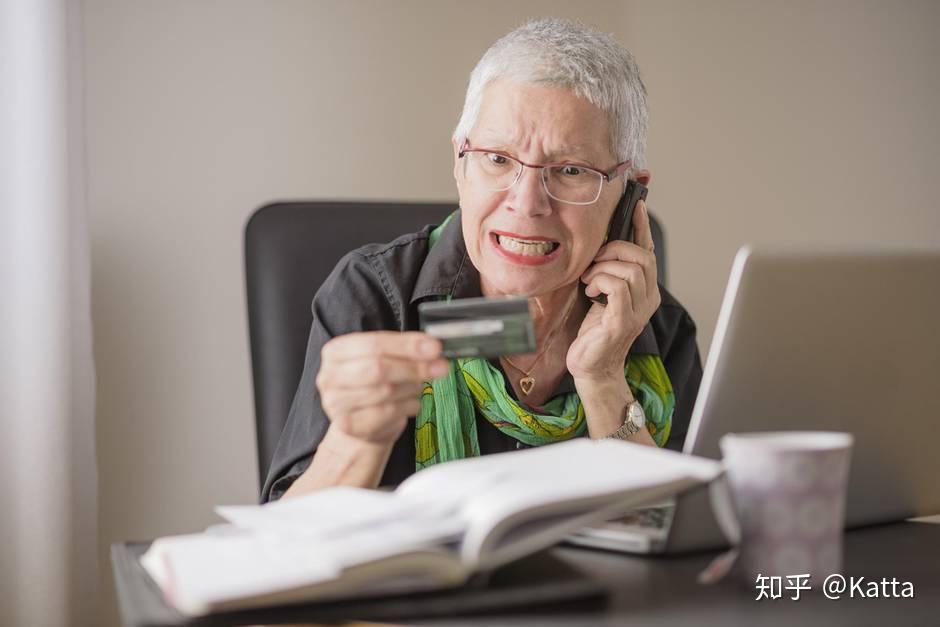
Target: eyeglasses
[{"x": 572, "y": 183}]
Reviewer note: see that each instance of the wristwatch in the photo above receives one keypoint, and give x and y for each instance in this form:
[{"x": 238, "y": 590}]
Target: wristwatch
[{"x": 634, "y": 419}]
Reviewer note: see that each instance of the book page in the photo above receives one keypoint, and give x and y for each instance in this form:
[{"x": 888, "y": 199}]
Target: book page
[
  {"x": 297, "y": 545},
  {"x": 445, "y": 488},
  {"x": 321, "y": 513},
  {"x": 199, "y": 570},
  {"x": 358, "y": 524},
  {"x": 571, "y": 475},
  {"x": 200, "y": 573}
]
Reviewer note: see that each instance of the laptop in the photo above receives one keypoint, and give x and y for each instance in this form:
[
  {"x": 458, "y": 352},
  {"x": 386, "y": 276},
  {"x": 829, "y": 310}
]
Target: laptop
[{"x": 815, "y": 340}]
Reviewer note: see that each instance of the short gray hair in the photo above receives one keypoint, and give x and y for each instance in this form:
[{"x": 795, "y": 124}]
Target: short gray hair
[{"x": 568, "y": 54}]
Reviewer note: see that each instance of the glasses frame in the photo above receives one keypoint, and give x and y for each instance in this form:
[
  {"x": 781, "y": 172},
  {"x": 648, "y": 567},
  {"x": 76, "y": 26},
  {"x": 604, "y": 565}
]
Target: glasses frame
[{"x": 606, "y": 176}]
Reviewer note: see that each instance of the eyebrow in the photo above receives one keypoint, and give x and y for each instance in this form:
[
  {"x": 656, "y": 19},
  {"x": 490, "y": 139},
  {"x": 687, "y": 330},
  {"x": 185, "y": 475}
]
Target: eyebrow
[{"x": 557, "y": 155}]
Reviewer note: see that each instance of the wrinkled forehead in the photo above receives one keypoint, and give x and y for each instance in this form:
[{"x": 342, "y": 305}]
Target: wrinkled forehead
[{"x": 542, "y": 123}]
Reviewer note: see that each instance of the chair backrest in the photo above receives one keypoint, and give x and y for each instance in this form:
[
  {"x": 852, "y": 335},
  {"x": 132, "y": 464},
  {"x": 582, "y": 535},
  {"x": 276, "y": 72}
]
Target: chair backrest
[{"x": 290, "y": 249}]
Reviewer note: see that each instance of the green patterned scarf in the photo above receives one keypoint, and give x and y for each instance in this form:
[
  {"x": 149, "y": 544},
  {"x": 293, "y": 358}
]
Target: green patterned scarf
[{"x": 445, "y": 427}]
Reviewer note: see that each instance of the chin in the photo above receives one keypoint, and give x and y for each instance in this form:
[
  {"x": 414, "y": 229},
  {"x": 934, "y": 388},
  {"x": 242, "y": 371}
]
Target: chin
[{"x": 518, "y": 284}]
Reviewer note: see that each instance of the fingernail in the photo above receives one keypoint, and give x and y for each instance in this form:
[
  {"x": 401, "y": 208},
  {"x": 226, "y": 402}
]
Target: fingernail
[
  {"x": 429, "y": 348},
  {"x": 439, "y": 368}
]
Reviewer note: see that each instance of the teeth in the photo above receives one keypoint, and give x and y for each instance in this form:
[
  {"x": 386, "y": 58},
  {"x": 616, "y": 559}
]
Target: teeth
[{"x": 524, "y": 247}]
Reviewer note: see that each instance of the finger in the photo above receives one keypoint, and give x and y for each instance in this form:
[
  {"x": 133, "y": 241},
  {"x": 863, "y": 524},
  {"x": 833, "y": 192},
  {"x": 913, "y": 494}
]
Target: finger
[
  {"x": 631, "y": 272},
  {"x": 642, "y": 232},
  {"x": 342, "y": 401},
  {"x": 379, "y": 370},
  {"x": 617, "y": 290},
  {"x": 619, "y": 303},
  {"x": 410, "y": 344},
  {"x": 625, "y": 251}
]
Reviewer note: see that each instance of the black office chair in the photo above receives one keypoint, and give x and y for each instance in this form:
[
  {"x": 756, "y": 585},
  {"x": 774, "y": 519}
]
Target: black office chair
[{"x": 290, "y": 248}]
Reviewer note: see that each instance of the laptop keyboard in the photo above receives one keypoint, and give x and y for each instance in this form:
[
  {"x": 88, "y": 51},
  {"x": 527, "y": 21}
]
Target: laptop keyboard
[{"x": 657, "y": 517}]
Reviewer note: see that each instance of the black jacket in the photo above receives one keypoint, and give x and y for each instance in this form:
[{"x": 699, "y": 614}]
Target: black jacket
[{"x": 379, "y": 287}]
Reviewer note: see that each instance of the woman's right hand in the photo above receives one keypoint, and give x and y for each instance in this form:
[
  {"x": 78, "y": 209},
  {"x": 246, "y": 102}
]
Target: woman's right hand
[{"x": 371, "y": 382}]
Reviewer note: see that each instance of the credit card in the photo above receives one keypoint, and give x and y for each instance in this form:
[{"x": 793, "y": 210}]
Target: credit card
[{"x": 480, "y": 327}]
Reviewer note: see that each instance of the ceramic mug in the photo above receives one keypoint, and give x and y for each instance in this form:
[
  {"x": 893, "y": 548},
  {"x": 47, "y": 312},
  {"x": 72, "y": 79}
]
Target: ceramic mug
[{"x": 789, "y": 490}]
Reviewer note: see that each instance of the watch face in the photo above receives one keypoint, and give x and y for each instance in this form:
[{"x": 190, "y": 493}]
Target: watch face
[{"x": 637, "y": 416}]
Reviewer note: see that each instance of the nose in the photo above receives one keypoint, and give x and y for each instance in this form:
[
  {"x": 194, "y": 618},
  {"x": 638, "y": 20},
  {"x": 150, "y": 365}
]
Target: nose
[{"x": 528, "y": 195}]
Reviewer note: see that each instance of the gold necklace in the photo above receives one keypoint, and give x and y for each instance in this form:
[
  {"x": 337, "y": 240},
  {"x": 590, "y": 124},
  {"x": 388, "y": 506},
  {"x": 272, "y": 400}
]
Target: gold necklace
[{"x": 527, "y": 382}]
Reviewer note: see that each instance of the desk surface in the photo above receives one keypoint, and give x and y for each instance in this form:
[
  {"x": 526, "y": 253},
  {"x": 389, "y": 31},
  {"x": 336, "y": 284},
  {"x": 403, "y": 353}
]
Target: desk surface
[{"x": 663, "y": 590}]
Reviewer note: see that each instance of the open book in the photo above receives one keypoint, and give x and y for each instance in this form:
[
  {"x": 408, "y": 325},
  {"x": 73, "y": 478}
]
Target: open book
[{"x": 438, "y": 528}]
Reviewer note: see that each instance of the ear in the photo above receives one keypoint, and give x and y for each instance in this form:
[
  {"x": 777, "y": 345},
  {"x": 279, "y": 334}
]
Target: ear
[{"x": 643, "y": 177}]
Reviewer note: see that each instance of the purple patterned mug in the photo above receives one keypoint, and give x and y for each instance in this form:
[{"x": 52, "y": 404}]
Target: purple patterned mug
[{"x": 789, "y": 492}]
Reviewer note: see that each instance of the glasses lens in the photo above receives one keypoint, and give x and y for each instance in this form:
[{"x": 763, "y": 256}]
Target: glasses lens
[
  {"x": 493, "y": 171},
  {"x": 570, "y": 183}
]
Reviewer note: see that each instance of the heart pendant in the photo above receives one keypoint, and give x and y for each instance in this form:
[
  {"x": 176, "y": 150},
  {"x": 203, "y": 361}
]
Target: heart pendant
[{"x": 526, "y": 383}]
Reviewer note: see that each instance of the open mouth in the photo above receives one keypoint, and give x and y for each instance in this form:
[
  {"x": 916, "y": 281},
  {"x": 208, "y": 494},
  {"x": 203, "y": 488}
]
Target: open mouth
[{"x": 526, "y": 247}]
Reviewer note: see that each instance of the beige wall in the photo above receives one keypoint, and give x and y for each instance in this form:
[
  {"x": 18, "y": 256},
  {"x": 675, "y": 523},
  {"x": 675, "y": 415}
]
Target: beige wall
[
  {"x": 771, "y": 122},
  {"x": 787, "y": 122}
]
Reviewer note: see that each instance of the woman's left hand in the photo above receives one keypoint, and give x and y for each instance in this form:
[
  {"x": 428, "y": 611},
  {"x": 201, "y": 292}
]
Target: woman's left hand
[{"x": 626, "y": 272}]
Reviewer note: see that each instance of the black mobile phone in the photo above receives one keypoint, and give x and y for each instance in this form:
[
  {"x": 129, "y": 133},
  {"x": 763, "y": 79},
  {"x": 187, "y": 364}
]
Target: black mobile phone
[{"x": 621, "y": 223}]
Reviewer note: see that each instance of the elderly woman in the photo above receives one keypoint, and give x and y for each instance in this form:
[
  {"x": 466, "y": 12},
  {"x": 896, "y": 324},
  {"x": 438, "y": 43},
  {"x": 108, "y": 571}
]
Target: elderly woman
[{"x": 553, "y": 126}]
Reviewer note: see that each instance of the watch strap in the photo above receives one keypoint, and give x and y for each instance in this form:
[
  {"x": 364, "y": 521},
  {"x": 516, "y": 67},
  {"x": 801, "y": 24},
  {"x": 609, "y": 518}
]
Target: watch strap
[{"x": 629, "y": 427}]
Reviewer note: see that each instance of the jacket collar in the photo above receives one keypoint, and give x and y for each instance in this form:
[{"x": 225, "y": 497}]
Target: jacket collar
[{"x": 447, "y": 269}]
